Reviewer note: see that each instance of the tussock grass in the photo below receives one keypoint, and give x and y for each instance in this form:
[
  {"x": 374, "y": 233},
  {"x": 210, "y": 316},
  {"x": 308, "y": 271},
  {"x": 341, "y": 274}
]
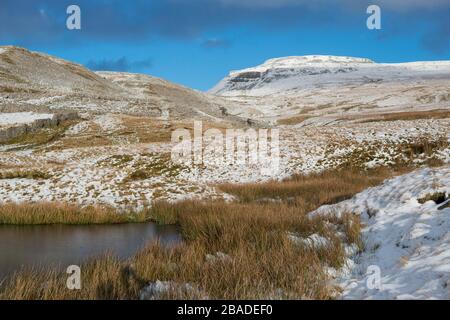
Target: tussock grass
[
  {"x": 293, "y": 120},
  {"x": 261, "y": 260},
  {"x": 27, "y": 174},
  {"x": 101, "y": 280},
  {"x": 437, "y": 197},
  {"x": 401, "y": 156},
  {"x": 147, "y": 130},
  {"x": 425, "y": 146},
  {"x": 16, "y": 89},
  {"x": 154, "y": 165},
  {"x": 409, "y": 116},
  {"x": 311, "y": 191},
  {"x": 58, "y": 213}
]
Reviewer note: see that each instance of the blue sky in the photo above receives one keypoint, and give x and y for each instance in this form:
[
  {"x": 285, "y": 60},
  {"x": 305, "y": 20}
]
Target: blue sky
[{"x": 197, "y": 42}]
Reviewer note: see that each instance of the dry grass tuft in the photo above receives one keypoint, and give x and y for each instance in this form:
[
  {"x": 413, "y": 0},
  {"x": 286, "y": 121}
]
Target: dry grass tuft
[
  {"x": 154, "y": 165},
  {"x": 409, "y": 116},
  {"x": 293, "y": 120},
  {"x": 311, "y": 191},
  {"x": 24, "y": 174},
  {"x": 57, "y": 213},
  {"x": 437, "y": 197},
  {"x": 425, "y": 146}
]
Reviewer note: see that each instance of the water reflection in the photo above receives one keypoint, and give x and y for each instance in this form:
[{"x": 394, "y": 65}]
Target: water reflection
[{"x": 44, "y": 246}]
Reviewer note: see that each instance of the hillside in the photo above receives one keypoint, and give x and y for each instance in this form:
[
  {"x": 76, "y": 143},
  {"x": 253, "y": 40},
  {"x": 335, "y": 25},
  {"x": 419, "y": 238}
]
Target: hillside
[
  {"x": 23, "y": 70},
  {"x": 31, "y": 81}
]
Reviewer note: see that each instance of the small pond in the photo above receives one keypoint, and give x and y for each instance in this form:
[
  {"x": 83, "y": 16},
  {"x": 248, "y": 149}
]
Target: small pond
[{"x": 65, "y": 245}]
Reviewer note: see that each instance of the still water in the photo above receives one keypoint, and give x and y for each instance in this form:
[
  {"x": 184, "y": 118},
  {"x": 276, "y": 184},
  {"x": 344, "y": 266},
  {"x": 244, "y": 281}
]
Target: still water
[{"x": 62, "y": 245}]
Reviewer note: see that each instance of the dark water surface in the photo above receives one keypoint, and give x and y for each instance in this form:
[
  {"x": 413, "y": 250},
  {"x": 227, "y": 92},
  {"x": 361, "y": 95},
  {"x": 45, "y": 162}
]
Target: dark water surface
[{"x": 63, "y": 245}]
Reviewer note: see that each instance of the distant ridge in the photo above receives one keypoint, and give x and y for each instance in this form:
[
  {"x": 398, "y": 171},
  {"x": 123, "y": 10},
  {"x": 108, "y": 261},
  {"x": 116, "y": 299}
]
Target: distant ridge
[{"x": 286, "y": 73}]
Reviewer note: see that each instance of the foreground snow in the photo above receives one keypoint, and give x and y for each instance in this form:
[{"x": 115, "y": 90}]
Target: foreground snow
[{"x": 408, "y": 241}]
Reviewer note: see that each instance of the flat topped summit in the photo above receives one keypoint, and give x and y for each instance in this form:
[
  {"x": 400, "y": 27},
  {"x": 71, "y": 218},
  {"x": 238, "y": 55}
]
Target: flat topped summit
[
  {"x": 305, "y": 61},
  {"x": 300, "y": 72}
]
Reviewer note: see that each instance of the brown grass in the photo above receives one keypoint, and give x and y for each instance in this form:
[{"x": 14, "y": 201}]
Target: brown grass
[
  {"x": 57, "y": 213},
  {"x": 293, "y": 120},
  {"x": 437, "y": 197},
  {"x": 146, "y": 130},
  {"x": 425, "y": 146},
  {"x": 27, "y": 174},
  {"x": 134, "y": 130},
  {"x": 262, "y": 261},
  {"x": 17, "y": 89},
  {"x": 150, "y": 130},
  {"x": 90, "y": 141},
  {"x": 398, "y": 156},
  {"x": 312, "y": 190},
  {"x": 154, "y": 165},
  {"x": 408, "y": 116}
]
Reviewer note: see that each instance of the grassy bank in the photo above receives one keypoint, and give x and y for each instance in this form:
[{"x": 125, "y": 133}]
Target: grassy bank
[
  {"x": 239, "y": 250},
  {"x": 59, "y": 213}
]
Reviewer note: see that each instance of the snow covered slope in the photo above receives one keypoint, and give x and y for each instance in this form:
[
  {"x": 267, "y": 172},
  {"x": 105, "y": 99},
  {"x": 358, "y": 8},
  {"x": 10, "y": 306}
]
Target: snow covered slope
[
  {"x": 21, "y": 69},
  {"x": 406, "y": 235},
  {"x": 181, "y": 102},
  {"x": 290, "y": 73}
]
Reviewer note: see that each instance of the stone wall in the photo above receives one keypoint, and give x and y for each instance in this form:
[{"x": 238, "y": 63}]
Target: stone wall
[{"x": 10, "y": 133}]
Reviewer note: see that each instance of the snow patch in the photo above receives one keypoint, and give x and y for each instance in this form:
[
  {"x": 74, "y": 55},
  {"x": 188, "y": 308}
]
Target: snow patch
[
  {"x": 314, "y": 241},
  {"x": 408, "y": 241},
  {"x": 218, "y": 256},
  {"x": 109, "y": 122},
  {"x": 77, "y": 128},
  {"x": 157, "y": 290}
]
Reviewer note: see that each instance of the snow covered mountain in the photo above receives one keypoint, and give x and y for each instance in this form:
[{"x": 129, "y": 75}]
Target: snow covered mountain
[
  {"x": 324, "y": 90},
  {"x": 291, "y": 73}
]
